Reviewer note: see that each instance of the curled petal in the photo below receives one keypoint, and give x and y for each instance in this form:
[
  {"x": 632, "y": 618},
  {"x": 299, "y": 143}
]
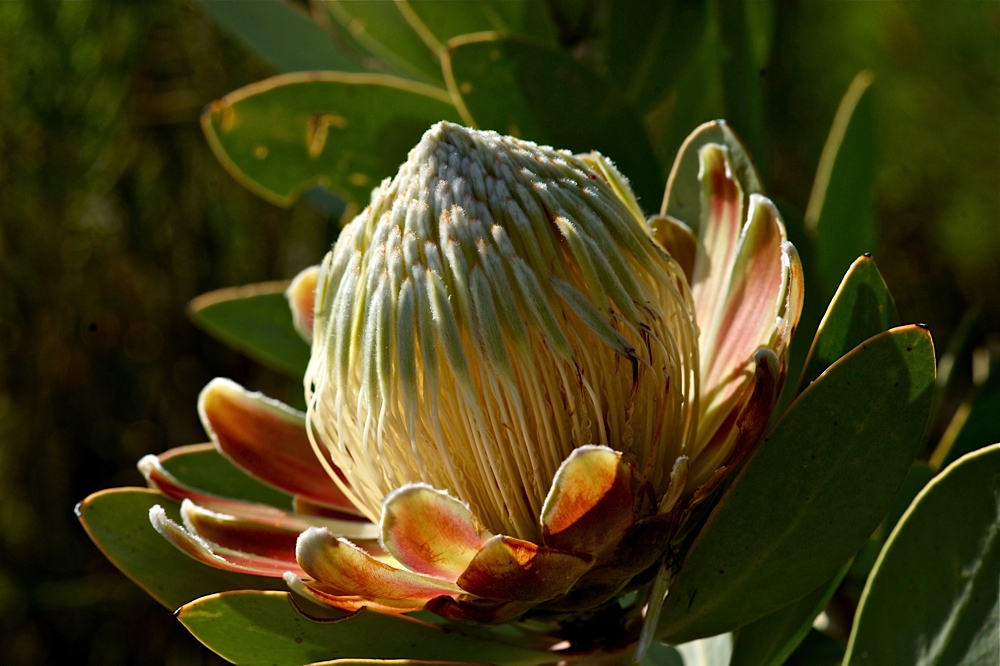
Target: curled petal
[
  {"x": 268, "y": 440},
  {"x": 590, "y": 502},
  {"x": 343, "y": 569},
  {"x": 213, "y": 554},
  {"x": 730, "y": 447},
  {"x": 319, "y": 592},
  {"x": 516, "y": 570},
  {"x": 678, "y": 482},
  {"x": 431, "y": 532},
  {"x": 301, "y": 295}
]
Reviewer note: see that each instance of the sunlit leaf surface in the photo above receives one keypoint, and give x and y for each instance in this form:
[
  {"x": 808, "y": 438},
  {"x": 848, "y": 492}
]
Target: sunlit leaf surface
[
  {"x": 932, "y": 597},
  {"x": 813, "y": 491},
  {"x": 264, "y": 629},
  {"x": 343, "y": 131},
  {"x": 118, "y": 522}
]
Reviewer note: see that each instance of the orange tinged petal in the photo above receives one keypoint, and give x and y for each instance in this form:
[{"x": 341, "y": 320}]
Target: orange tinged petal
[
  {"x": 268, "y": 440},
  {"x": 516, "y": 570},
  {"x": 590, "y": 502},
  {"x": 301, "y": 295},
  {"x": 215, "y": 555},
  {"x": 431, "y": 532},
  {"x": 342, "y": 569}
]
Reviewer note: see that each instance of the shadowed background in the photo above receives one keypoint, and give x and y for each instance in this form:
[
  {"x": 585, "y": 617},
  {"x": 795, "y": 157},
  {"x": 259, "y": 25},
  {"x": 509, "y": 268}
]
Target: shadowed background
[{"x": 114, "y": 214}]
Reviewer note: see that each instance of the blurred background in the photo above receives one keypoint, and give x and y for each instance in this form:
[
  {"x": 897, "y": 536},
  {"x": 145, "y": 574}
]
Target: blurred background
[{"x": 114, "y": 214}]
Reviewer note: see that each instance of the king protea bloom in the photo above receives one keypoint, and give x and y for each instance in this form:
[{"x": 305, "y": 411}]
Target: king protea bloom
[{"x": 519, "y": 387}]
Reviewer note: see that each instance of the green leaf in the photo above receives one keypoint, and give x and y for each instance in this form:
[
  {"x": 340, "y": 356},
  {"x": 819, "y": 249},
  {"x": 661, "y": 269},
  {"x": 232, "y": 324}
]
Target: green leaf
[
  {"x": 660, "y": 654},
  {"x": 529, "y": 90},
  {"x": 256, "y": 321},
  {"x": 861, "y": 308},
  {"x": 932, "y": 597},
  {"x": 265, "y": 629},
  {"x": 770, "y": 640},
  {"x": 712, "y": 651},
  {"x": 650, "y": 44},
  {"x": 118, "y": 522},
  {"x": 812, "y": 492},
  {"x": 343, "y": 131},
  {"x": 742, "y": 92},
  {"x": 841, "y": 214},
  {"x": 386, "y": 31},
  {"x": 202, "y": 466},
  {"x": 284, "y": 37},
  {"x": 979, "y": 420},
  {"x": 439, "y": 18}
]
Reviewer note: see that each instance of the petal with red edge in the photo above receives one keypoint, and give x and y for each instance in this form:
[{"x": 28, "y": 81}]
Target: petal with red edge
[
  {"x": 159, "y": 478},
  {"x": 718, "y": 240},
  {"x": 301, "y": 295},
  {"x": 268, "y": 440},
  {"x": 431, "y": 532},
  {"x": 590, "y": 502},
  {"x": 271, "y": 539},
  {"x": 731, "y": 443},
  {"x": 341, "y": 568},
  {"x": 320, "y": 593},
  {"x": 516, "y": 570},
  {"x": 756, "y": 295},
  {"x": 214, "y": 555}
]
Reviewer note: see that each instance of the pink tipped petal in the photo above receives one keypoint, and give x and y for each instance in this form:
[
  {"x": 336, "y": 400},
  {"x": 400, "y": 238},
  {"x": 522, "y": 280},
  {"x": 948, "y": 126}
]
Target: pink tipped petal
[
  {"x": 213, "y": 554},
  {"x": 515, "y": 570},
  {"x": 159, "y": 478},
  {"x": 731, "y": 445},
  {"x": 431, "y": 532},
  {"x": 718, "y": 239},
  {"x": 268, "y": 440},
  {"x": 270, "y": 541},
  {"x": 749, "y": 317},
  {"x": 344, "y": 569},
  {"x": 301, "y": 295},
  {"x": 590, "y": 502},
  {"x": 477, "y": 611}
]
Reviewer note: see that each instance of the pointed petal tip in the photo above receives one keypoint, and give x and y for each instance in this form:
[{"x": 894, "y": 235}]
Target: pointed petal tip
[{"x": 301, "y": 295}]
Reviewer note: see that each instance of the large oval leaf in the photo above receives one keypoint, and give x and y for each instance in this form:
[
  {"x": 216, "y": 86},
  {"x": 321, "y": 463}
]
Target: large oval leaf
[
  {"x": 861, "y": 308},
  {"x": 812, "y": 492},
  {"x": 264, "y": 629},
  {"x": 932, "y": 597},
  {"x": 770, "y": 640},
  {"x": 343, "y": 131},
  {"x": 440, "y": 19},
  {"x": 280, "y": 34},
  {"x": 255, "y": 320},
  {"x": 529, "y": 90},
  {"x": 386, "y": 31},
  {"x": 118, "y": 522}
]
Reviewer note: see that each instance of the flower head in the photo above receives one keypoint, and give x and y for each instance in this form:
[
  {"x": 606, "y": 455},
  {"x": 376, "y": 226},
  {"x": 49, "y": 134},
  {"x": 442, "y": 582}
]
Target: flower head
[
  {"x": 497, "y": 306},
  {"x": 519, "y": 389}
]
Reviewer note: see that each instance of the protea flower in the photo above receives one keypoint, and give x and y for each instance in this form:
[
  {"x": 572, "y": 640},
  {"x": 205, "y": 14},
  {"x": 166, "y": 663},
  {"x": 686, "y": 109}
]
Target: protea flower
[{"x": 519, "y": 388}]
